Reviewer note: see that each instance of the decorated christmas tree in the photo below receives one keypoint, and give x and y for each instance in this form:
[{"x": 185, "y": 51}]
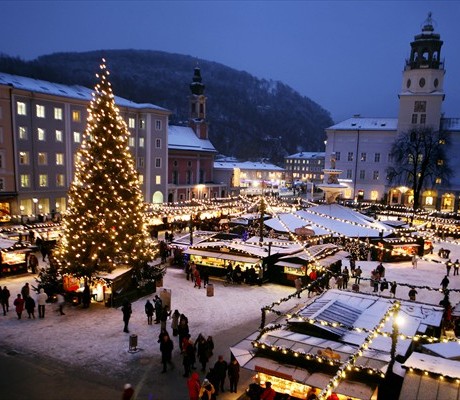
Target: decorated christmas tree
[{"x": 104, "y": 222}]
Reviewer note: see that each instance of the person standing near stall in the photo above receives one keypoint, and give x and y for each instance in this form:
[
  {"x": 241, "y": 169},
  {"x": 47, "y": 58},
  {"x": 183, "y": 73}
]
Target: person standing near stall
[
  {"x": 19, "y": 304},
  {"x": 5, "y": 299},
  {"x": 127, "y": 311},
  {"x": 41, "y": 300}
]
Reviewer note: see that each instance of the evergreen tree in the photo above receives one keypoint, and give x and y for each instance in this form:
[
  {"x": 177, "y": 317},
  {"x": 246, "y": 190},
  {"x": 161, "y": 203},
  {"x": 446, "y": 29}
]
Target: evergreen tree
[{"x": 104, "y": 223}]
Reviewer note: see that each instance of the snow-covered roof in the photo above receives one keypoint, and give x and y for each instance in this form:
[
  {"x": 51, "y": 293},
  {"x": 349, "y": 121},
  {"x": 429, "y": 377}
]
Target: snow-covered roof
[
  {"x": 367, "y": 124},
  {"x": 247, "y": 165},
  {"x": 307, "y": 155},
  {"x": 57, "y": 89},
  {"x": 185, "y": 138},
  {"x": 327, "y": 218},
  {"x": 436, "y": 365},
  {"x": 449, "y": 350}
]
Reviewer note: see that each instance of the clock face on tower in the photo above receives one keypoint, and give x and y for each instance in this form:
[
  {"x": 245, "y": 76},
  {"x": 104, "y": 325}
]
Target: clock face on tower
[{"x": 421, "y": 82}]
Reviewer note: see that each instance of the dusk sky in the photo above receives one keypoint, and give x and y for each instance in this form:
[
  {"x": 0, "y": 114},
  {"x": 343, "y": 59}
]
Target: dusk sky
[{"x": 348, "y": 56}]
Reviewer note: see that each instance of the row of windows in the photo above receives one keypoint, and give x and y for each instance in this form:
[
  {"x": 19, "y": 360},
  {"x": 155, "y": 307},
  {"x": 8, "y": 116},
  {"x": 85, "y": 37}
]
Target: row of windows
[
  {"x": 363, "y": 156},
  {"x": 59, "y": 137},
  {"x": 415, "y": 119},
  {"x": 24, "y": 158},
  {"x": 296, "y": 161},
  {"x": 21, "y": 108},
  {"x": 24, "y": 180},
  {"x": 362, "y": 174},
  {"x": 301, "y": 168}
]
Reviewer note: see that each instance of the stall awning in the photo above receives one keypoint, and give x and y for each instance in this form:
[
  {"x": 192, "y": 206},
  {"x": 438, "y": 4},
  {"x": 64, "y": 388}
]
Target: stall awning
[{"x": 223, "y": 256}]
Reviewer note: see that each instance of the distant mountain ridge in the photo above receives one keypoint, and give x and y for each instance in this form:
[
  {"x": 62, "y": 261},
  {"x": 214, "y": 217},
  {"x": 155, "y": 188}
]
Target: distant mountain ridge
[{"x": 249, "y": 118}]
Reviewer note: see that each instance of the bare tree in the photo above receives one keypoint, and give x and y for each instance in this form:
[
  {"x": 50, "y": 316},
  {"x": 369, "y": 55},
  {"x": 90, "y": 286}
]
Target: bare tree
[{"x": 419, "y": 161}]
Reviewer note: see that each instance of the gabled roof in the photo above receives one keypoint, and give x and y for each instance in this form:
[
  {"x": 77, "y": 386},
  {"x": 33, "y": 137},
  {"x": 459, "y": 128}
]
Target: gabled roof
[
  {"x": 185, "y": 138},
  {"x": 247, "y": 165},
  {"x": 57, "y": 89},
  {"x": 307, "y": 155},
  {"x": 366, "y": 124}
]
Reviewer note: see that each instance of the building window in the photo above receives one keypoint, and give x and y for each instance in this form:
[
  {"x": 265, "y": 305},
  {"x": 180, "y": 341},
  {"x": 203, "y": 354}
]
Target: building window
[
  {"x": 41, "y": 134},
  {"x": 349, "y": 174},
  {"x": 2, "y": 185},
  {"x": 141, "y": 123},
  {"x": 42, "y": 158},
  {"x": 58, "y": 113},
  {"x": 131, "y": 123},
  {"x": 24, "y": 158},
  {"x": 376, "y": 175},
  {"x": 350, "y": 156},
  {"x": 59, "y": 158},
  {"x": 59, "y": 136},
  {"x": 131, "y": 142},
  {"x": 189, "y": 163},
  {"x": 374, "y": 195},
  {"x": 188, "y": 177},
  {"x": 377, "y": 157},
  {"x": 22, "y": 132},
  {"x": 141, "y": 142},
  {"x": 363, "y": 157},
  {"x": 175, "y": 177},
  {"x": 420, "y": 107},
  {"x": 157, "y": 162},
  {"x": 141, "y": 179},
  {"x": 60, "y": 180},
  {"x": 76, "y": 137},
  {"x": 43, "y": 180},
  {"x": 414, "y": 118},
  {"x": 438, "y": 181},
  {"x": 76, "y": 116},
  {"x": 21, "y": 108},
  {"x": 158, "y": 179},
  {"x": 25, "y": 181},
  {"x": 337, "y": 155},
  {"x": 158, "y": 143},
  {"x": 140, "y": 162},
  {"x": 422, "y": 118},
  {"x": 158, "y": 125},
  {"x": 40, "y": 111},
  {"x": 362, "y": 174}
]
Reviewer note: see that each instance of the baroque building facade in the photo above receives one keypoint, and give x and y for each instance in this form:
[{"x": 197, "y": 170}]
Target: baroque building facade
[
  {"x": 41, "y": 128},
  {"x": 362, "y": 146}
]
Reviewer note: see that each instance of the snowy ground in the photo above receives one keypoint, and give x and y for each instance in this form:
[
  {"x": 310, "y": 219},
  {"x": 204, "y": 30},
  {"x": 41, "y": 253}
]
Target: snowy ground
[{"x": 93, "y": 338}]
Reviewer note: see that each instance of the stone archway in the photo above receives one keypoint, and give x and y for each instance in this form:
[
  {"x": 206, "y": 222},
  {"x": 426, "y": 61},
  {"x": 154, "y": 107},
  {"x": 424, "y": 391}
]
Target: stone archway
[{"x": 157, "y": 198}]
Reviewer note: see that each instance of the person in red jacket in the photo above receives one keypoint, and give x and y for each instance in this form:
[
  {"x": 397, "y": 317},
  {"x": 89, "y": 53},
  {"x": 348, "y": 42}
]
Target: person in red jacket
[
  {"x": 333, "y": 396},
  {"x": 19, "y": 304},
  {"x": 268, "y": 393},
  {"x": 194, "y": 386}
]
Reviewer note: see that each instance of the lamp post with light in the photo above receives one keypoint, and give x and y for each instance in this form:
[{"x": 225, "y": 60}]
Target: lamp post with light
[{"x": 35, "y": 201}]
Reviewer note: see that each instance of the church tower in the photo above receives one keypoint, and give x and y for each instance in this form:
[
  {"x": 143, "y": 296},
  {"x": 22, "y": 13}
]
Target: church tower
[
  {"x": 422, "y": 93},
  {"x": 197, "y": 119}
]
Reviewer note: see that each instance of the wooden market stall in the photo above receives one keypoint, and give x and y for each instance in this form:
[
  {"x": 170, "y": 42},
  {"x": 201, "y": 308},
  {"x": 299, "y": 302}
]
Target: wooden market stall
[{"x": 14, "y": 257}]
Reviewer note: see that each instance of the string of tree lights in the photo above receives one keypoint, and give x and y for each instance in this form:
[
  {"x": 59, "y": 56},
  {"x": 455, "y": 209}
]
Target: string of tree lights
[{"x": 104, "y": 223}]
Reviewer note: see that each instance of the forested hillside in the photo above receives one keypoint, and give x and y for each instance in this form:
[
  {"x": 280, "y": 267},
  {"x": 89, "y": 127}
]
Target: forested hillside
[{"x": 249, "y": 118}]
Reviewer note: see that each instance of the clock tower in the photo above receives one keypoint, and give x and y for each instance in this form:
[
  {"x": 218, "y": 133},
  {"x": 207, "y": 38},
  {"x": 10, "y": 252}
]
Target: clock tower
[
  {"x": 197, "y": 120},
  {"x": 422, "y": 93}
]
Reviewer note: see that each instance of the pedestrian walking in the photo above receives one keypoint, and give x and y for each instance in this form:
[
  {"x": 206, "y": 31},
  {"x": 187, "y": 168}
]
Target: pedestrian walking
[
  {"x": 393, "y": 287},
  {"x": 25, "y": 291},
  {"x": 30, "y": 307},
  {"x": 175, "y": 322},
  {"x": 127, "y": 311},
  {"x": 149, "y": 311},
  {"x": 182, "y": 330},
  {"x": 194, "y": 386},
  {"x": 5, "y": 299},
  {"x": 414, "y": 261},
  {"x": 158, "y": 308},
  {"x": 19, "y": 305},
  {"x": 202, "y": 351},
  {"x": 33, "y": 263},
  {"x": 164, "y": 317},
  {"x": 205, "y": 277},
  {"x": 220, "y": 369},
  {"x": 188, "y": 354},
  {"x": 448, "y": 266},
  {"x": 41, "y": 300},
  {"x": 358, "y": 273},
  {"x": 86, "y": 296},
  {"x": 298, "y": 286},
  {"x": 412, "y": 294},
  {"x": 345, "y": 277},
  {"x": 456, "y": 266},
  {"x": 233, "y": 375},
  {"x": 60, "y": 303},
  {"x": 445, "y": 283},
  {"x": 166, "y": 349}
]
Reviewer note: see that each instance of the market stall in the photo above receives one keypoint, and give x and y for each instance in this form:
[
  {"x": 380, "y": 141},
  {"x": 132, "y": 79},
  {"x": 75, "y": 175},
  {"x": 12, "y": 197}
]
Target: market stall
[{"x": 14, "y": 257}]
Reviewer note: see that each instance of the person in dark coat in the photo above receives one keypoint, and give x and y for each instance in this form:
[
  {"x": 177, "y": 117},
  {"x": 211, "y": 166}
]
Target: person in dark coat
[
  {"x": 166, "y": 348},
  {"x": 19, "y": 304},
  {"x": 30, "y": 307},
  {"x": 5, "y": 298},
  {"x": 188, "y": 354},
  {"x": 127, "y": 311},
  {"x": 149, "y": 312},
  {"x": 445, "y": 283},
  {"x": 158, "y": 308},
  {"x": 202, "y": 351},
  {"x": 86, "y": 297},
  {"x": 33, "y": 263},
  {"x": 25, "y": 291},
  {"x": 182, "y": 330},
  {"x": 234, "y": 375},
  {"x": 220, "y": 369}
]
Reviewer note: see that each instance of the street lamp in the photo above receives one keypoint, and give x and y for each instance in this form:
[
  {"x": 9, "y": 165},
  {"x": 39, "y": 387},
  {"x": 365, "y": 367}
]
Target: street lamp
[
  {"x": 35, "y": 200},
  {"x": 21, "y": 207}
]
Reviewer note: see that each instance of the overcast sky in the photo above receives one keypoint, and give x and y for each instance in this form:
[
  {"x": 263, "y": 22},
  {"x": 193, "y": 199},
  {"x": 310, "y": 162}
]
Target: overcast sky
[{"x": 347, "y": 56}]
